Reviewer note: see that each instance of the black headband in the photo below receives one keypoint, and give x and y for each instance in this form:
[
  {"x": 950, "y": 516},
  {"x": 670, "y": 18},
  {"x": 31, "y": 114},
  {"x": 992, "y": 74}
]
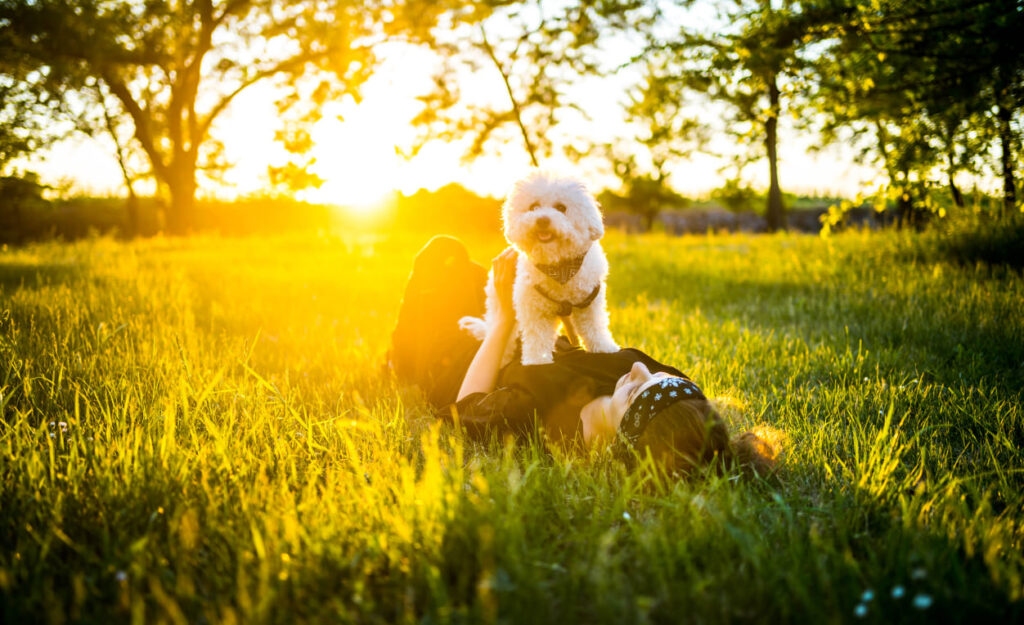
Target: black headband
[{"x": 650, "y": 403}]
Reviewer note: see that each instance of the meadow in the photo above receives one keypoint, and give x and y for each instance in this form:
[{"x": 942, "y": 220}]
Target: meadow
[{"x": 201, "y": 431}]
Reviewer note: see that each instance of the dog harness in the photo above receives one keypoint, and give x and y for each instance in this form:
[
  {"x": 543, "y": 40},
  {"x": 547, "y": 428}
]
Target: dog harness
[
  {"x": 563, "y": 271},
  {"x": 565, "y": 306}
]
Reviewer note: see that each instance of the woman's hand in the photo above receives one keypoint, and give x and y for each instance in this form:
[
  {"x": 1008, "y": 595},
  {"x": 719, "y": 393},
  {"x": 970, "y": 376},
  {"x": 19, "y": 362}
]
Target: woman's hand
[
  {"x": 504, "y": 268},
  {"x": 482, "y": 374}
]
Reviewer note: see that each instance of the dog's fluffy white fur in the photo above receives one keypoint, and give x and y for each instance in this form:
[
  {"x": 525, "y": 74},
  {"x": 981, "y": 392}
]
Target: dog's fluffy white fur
[{"x": 549, "y": 219}]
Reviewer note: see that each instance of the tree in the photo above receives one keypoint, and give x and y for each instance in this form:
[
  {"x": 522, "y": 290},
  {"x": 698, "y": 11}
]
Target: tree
[
  {"x": 175, "y": 67},
  {"x": 938, "y": 83},
  {"x": 665, "y": 133},
  {"x": 28, "y": 100},
  {"x": 22, "y": 126},
  {"x": 114, "y": 124},
  {"x": 537, "y": 49},
  {"x": 748, "y": 66}
]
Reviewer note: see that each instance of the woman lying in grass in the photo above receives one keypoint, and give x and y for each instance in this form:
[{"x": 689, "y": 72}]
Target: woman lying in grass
[{"x": 625, "y": 399}]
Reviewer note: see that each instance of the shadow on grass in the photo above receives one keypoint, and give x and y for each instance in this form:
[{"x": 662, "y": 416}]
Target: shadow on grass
[
  {"x": 951, "y": 341},
  {"x": 16, "y": 275}
]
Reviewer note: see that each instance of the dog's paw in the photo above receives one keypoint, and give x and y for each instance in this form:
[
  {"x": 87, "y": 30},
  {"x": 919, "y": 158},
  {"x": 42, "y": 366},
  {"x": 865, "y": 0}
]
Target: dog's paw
[
  {"x": 474, "y": 326},
  {"x": 537, "y": 358},
  {"x": 603, "y": 347}
]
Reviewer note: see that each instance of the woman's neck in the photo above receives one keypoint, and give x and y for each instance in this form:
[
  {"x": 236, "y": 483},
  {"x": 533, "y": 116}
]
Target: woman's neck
[{"x": 598, "y": 420}]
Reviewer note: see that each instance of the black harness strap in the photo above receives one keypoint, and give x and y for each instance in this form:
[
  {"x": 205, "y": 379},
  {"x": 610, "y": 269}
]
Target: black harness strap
[{"x": 565, "y": 306}]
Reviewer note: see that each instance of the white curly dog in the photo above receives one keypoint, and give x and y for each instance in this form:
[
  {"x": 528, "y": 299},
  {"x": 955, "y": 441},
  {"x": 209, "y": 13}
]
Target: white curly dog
[{"x": 555, "y": 225}]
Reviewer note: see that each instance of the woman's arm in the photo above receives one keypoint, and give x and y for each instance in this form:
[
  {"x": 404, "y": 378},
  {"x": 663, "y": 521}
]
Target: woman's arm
[{"x": 482, "y": 374}]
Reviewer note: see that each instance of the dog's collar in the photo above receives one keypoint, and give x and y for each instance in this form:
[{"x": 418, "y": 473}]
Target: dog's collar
[
  {"x": 563, "y": 271},
  {"x": 565, "y": 306}
]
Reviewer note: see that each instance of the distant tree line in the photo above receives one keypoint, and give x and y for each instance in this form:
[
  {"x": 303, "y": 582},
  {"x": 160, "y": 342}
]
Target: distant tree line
[{"x": 928, "y": 89}]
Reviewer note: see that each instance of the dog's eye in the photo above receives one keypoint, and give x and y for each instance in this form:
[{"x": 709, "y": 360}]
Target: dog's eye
[
  {"x": 560, "y": 207},
  {"x": 534, "y": 206}
]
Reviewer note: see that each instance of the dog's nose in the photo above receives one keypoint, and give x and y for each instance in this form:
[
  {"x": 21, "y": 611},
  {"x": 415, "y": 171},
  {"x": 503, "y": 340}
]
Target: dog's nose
[{"x": 543, "y": 222}]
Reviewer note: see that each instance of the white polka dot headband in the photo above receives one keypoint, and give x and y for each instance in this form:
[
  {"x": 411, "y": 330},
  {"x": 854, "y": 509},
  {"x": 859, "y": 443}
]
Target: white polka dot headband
[{"x": 649, "y": 404}]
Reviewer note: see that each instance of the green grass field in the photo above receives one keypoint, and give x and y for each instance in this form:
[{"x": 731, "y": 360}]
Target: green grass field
[{"x": 200, "y": 431}]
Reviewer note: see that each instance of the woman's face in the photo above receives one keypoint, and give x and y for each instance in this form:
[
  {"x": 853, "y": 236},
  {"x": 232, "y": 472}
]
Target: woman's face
[{"x": 601, "y": 417}]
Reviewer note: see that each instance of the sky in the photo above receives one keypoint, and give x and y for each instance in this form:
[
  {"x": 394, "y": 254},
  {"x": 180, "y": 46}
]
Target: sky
[{"x": 355, "y": 145}]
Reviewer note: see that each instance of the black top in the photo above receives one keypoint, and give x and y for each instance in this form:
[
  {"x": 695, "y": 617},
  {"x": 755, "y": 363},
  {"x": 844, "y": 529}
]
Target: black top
[{"x": 549, "y": 394}]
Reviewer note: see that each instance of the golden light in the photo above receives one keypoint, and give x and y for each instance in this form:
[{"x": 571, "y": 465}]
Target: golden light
[{"x": 356, "y": 158}]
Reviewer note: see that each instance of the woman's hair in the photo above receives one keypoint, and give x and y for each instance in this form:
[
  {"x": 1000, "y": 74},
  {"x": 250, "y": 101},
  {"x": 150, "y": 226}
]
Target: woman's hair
[{"x": 689, "y": 435}]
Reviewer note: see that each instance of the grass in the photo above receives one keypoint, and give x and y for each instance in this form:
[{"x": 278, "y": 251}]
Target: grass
[{"x": 200, "y": 431}]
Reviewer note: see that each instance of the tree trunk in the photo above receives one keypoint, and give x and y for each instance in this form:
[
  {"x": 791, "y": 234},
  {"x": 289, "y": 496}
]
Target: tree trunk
[
  {"x": 1005, "y": 139},
  {"x": 182, "y": 189},
  {"x": 775, "y": 214},
  {"x": 649, "y": 216},
  {"x": 908, "y": 208},
  {"x": 905, "y": 214},
  {"x": 958, "y": 197},
  {"x": 949, "y": 129},
  {"x": 133, "y": 214},
  {"x": 516, "y": 110}
]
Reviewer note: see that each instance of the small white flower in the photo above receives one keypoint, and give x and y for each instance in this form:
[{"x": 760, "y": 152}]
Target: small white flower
[
  {"x": 625, "y": 515},
  {"x": 860, "y": 611},
  {"x": 898, "y": 592},
  {"x": 688, "y": 391},
  {"x": 52, "y": 435},
  {"x": 868, "y": 595},
  {"x": 121, "y": 576},
  {"x": 922, "y": 602},
  {"x": 673, "y": 394},
  {"x": 918, "y": 573},
  {"x": 658, "y": 396},
  {"x": 867, "y": 380}
]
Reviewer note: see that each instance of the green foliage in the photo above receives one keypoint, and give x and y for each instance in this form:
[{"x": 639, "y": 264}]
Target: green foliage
[
  {"x": 34, "y": 218},
  {"x": 754, "y": 67},
  {"x": 21, "y": 197},
  {"x": 927, "y": 89},
  {"x": 643, "y": 195},
  {"x": 199, "y": 430},
  {"x": 666, "y": 134},
  {"x": 537, "y": 49},
  {"x": 174, "y": 68},
  {"x": 24, "y": 112},
  {"x": 26, "y": 216},
  {"x": 978, "y": 240},
  {"x": 737, "y": 196}
]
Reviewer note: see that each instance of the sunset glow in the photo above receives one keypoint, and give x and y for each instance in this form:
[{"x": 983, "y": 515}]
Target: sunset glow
[{"x": 356, "y": 146}]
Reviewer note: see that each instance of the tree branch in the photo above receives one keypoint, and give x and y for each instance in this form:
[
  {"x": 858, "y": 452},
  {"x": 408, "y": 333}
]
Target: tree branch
[
  {"x": 230, "y": 8},
  {"x": 511, "y": 96},
  {"x": 122, "y": 160},
  {"x": 284, "y": 66},
  {"x": 140, "y": 119}
]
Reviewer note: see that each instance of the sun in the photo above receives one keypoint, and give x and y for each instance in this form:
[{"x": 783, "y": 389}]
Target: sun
[{"x": 358, "y": 165}]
